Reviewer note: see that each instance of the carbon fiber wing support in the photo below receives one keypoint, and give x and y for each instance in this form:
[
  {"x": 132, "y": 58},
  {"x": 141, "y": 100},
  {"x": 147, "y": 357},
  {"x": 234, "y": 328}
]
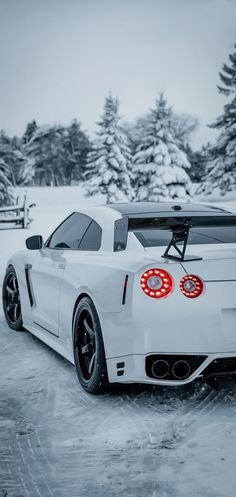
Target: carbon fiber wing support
[{"x": 180, "y": 226}]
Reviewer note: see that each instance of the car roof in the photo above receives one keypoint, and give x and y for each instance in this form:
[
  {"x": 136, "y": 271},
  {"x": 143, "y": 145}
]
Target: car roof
[{"x": 161, "y": 207}]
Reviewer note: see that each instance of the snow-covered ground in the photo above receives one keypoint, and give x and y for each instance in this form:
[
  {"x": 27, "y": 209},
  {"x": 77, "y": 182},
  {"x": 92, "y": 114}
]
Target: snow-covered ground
[
  {"x": 139, "y": 441},
  {"x": 54, "y": 204}
]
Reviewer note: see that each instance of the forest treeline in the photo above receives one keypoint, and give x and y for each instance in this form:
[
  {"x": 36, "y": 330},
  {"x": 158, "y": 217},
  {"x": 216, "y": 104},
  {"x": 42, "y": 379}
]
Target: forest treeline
[{"x": 150, "y": 159}]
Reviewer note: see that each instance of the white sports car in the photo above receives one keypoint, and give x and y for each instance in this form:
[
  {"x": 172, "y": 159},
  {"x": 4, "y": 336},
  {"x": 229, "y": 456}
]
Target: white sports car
[{"x": 132, "y": 293}]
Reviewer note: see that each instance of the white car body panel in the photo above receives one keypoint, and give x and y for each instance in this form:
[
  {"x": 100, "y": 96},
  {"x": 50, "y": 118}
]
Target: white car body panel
[
  {"x": 174, "y": 325},
  {"x": 46, "y": 277}
]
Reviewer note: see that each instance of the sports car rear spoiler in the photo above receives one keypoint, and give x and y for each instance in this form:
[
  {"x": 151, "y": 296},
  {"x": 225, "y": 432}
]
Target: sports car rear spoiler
[{"x": 179, "y": 225}]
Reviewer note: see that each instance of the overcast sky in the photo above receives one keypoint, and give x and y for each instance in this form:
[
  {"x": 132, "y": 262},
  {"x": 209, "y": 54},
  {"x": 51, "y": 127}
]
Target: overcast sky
[{"x": 59, "y": 58}]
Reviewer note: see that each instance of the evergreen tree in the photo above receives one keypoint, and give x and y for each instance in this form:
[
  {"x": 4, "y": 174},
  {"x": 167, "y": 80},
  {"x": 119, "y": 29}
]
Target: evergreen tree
[
  {"x": 159, "y": 162},
  {"x": 55, "y": 155},
  {"x": 20, "y": 167},
  {"x": 76, "y": 148},
  {"x": 11, "y": 155},
  {"x": 109, "y": 162},
  {"x": 45, "y": 155},
  {"x": 27, "y": 171},
  {"x": 184, "y": 126},
  {"x": 134, "y": 132},
  {"x": 198, "y": 162},
  {"x": 6, "y": 195},
  {"x": 30, "y": 129},
  {"x": 221, "y": 171}
]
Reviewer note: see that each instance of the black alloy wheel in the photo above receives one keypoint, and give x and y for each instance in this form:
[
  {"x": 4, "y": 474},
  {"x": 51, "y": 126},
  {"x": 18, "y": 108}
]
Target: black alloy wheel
[
  {"x": 88, "y": 346},
  {"x": 11, "y": 300}
]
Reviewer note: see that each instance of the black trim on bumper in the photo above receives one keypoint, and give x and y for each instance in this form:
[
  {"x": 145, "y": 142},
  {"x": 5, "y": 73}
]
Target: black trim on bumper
[
  {"x": 194, "y": 362},
  {"x": 220, "y": 367}
]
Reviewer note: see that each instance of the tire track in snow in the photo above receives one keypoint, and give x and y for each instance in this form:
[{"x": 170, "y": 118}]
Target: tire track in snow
[
  {"x": 178, "y": 432},
  {"x": 121, "y": 440}
]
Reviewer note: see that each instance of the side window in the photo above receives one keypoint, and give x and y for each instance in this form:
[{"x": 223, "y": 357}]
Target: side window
[
  {"x": 70, "y": 233},
  {"x": 92, "y": 238}
]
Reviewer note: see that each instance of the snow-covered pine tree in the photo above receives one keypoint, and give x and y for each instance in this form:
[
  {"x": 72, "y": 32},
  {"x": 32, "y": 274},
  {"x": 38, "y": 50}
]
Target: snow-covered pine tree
[
  {"x": 159, "y": 163},
  {"x": 9, "y": 148},
  {"x": 27, "y": 165},
  {"x": 199, "y": 161},
  {"x": 29, "y": 131},
  {"x": 26, "y": 171},
  {"x": 221, "y": 170},
  {"x": 6, "y": 194},
  {"x": 109, "y": 163},
  {"x": 76, "y": 146},
  {"x": 184, "y": 126},
  {"x": 134, "y": 131},
  {"x": 45, "y": 155}
]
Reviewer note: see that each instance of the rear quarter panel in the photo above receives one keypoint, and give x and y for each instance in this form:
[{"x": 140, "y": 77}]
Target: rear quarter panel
[{"x": 101, "y": 276}]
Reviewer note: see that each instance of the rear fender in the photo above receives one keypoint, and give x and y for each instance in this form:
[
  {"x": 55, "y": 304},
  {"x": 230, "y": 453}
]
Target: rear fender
[{"x": 104, "y": 286}]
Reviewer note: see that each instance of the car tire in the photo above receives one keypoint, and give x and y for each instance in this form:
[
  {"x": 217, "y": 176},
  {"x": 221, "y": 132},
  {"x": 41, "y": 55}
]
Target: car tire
[
  {"x": 88, "y": 346},
  {"x": 11, "y": 300}
]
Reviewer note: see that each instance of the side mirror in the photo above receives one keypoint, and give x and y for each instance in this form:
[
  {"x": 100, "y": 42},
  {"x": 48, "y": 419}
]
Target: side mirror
[{"x": 34, "y": 242}]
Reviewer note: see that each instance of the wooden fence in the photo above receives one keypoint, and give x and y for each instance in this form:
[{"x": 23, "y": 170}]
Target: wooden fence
[{"x": 17, "y": 214}]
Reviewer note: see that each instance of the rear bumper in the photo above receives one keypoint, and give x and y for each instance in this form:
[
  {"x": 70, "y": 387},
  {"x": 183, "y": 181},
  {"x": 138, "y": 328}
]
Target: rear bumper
[
  {"x": 203, "y": 328},
  {"x": 174, "y": 325},
  {"x": 133, "y": 368}
]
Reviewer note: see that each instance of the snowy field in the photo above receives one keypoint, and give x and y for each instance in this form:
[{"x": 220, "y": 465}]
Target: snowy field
[
  {"x": 139, "y": 441},
  {"x": 54, "y": 204}
]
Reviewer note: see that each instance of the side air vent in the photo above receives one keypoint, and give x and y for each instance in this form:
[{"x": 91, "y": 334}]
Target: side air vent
[{"x": 28, "y": 267}]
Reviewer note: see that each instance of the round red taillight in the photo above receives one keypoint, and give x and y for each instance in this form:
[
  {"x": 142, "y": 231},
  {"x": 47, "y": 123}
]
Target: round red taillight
[
  {"x": 157, "y": 283},
  {"x": 191, "y": 286}
]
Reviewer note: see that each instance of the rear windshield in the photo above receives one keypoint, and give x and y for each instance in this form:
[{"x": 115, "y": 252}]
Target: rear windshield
[{"x": 161, "y": 238}]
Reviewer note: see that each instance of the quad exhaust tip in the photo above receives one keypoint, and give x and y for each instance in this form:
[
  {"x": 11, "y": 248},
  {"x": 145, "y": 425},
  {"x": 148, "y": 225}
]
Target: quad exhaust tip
[
  {"x": 181, "y": 369},
  {"x": 173, "y": 367},
  {"x": 160, "y": 369}
]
